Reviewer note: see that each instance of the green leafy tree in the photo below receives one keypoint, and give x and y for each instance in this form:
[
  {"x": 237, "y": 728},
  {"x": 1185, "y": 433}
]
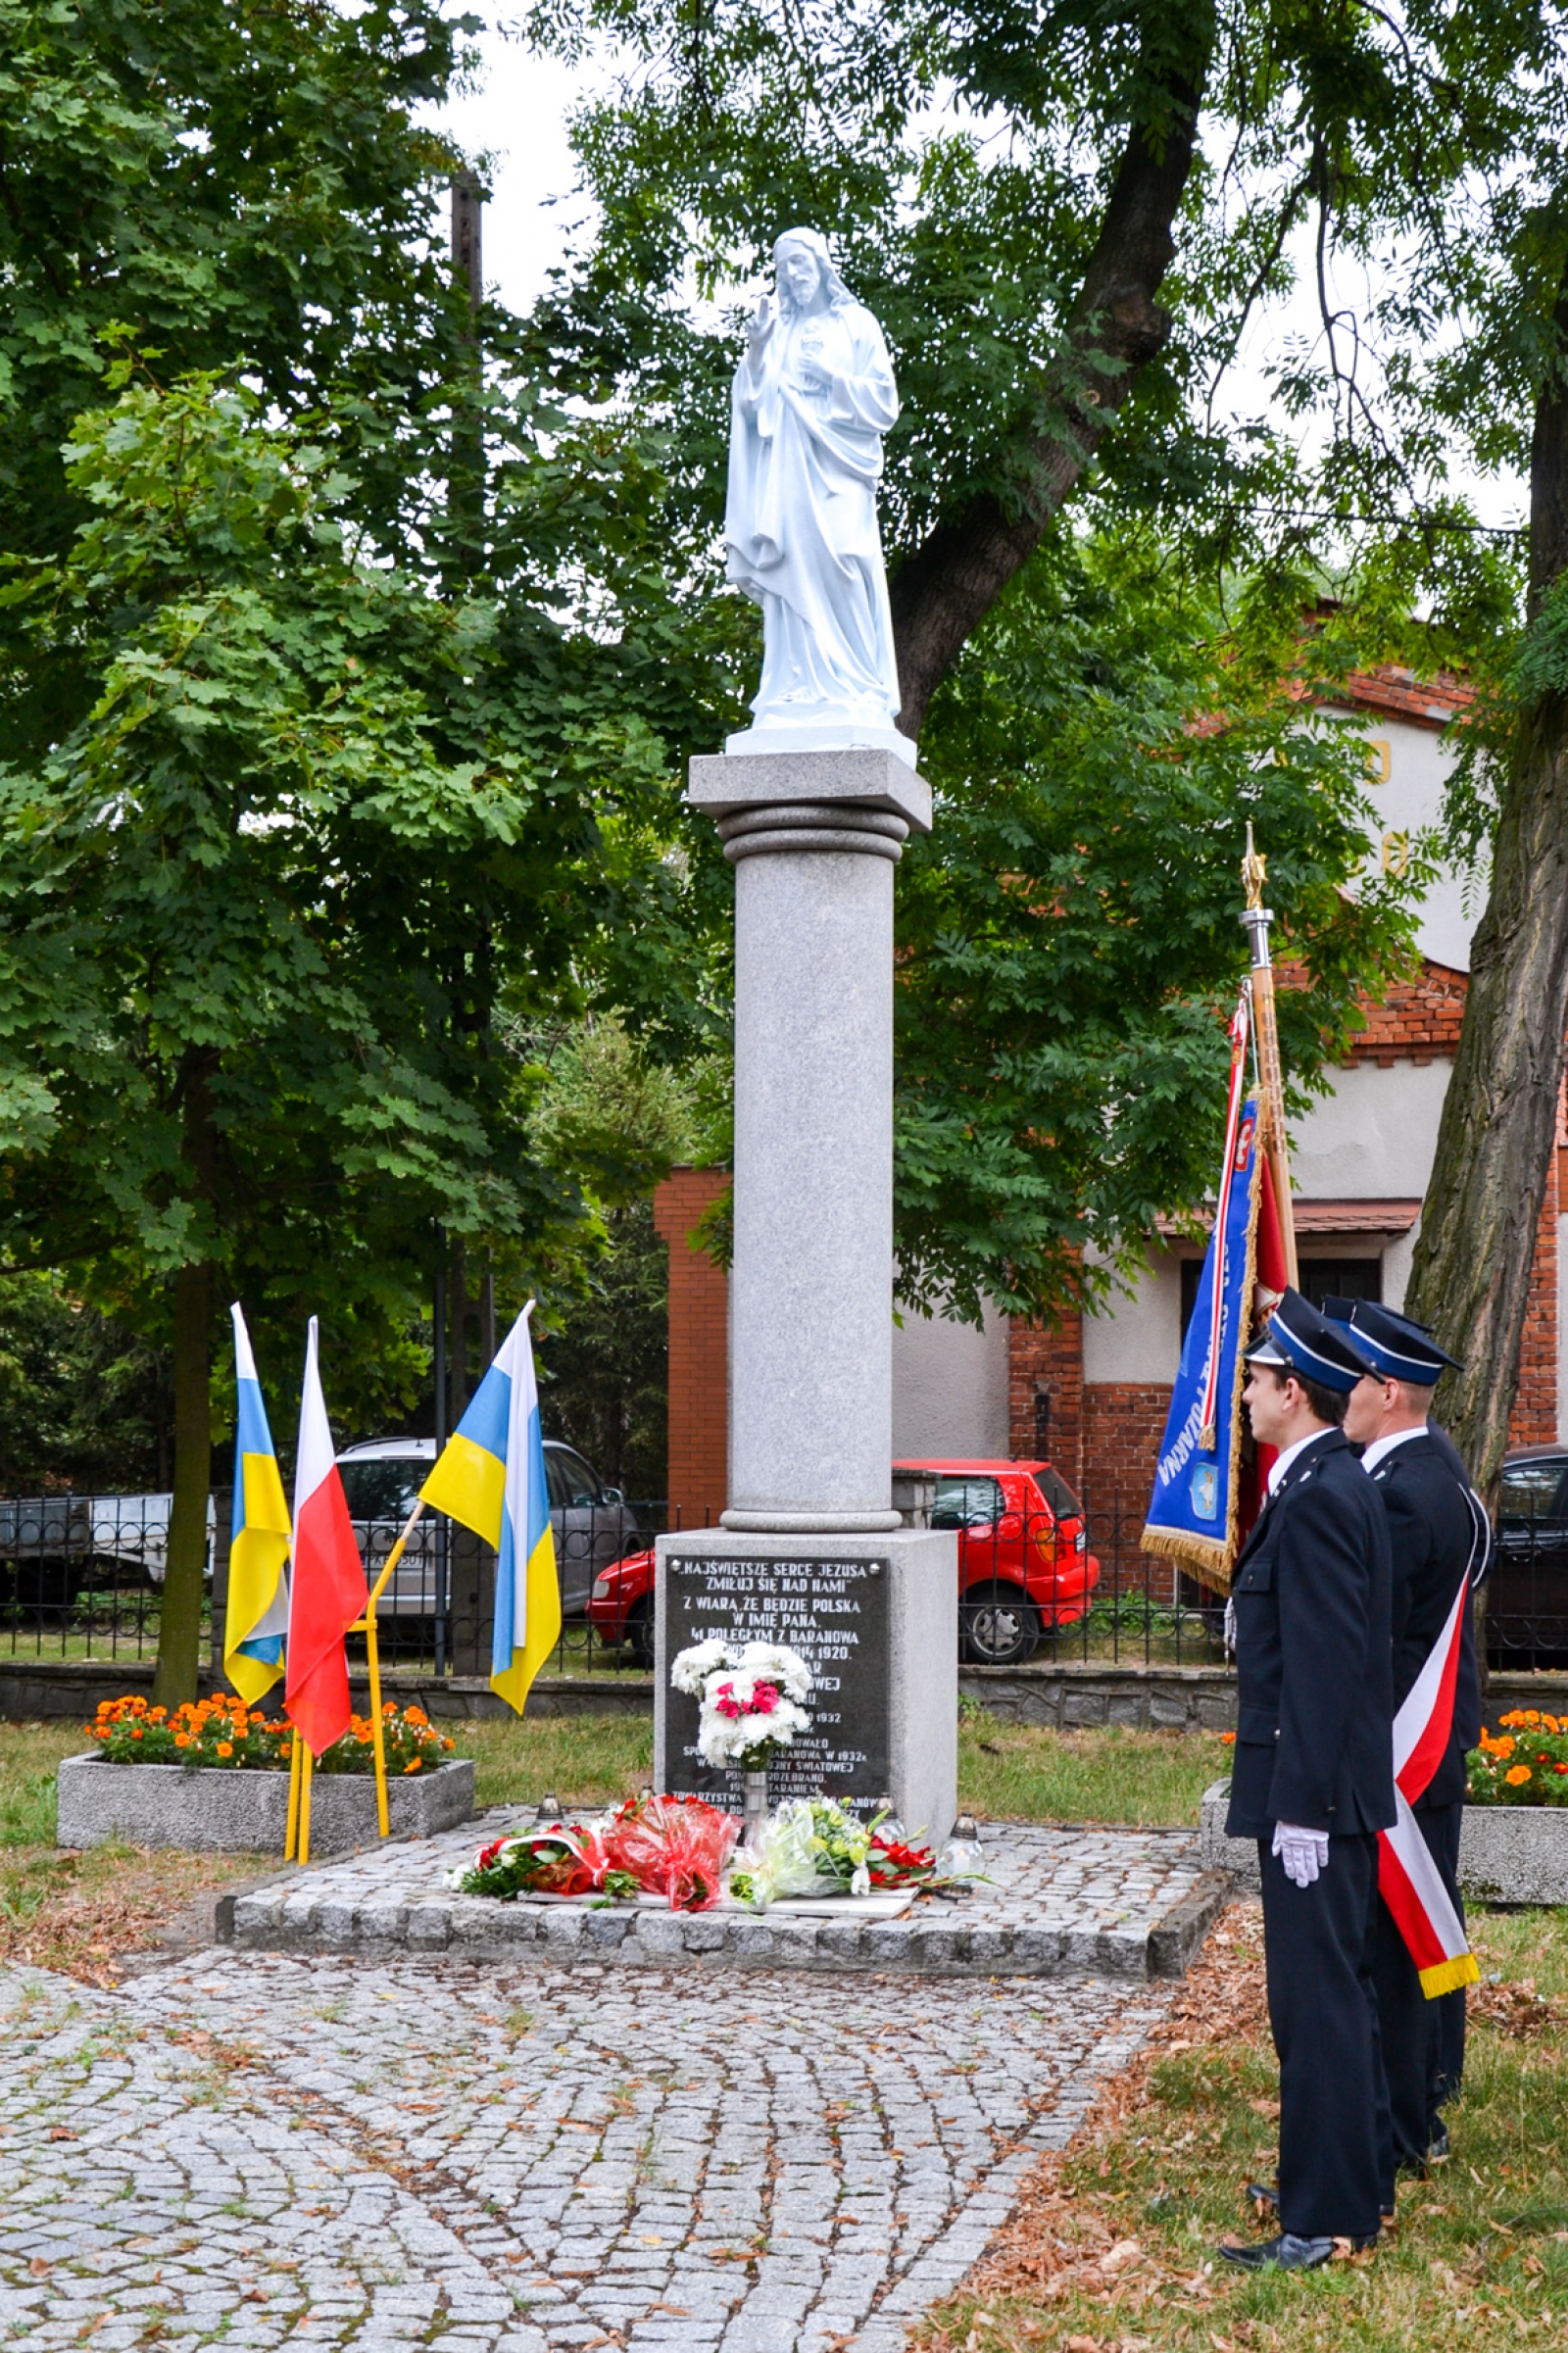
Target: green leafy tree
[
  {"x": 1067, "y": 933},
  {"x": 236, "y": 1036}
]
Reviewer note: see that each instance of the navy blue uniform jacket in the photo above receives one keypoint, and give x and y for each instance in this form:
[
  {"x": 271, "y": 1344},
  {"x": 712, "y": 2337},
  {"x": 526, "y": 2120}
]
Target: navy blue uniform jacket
[
  {"x": 1314, "y": 1728},
  {"x": 1431, "y": 1532}
]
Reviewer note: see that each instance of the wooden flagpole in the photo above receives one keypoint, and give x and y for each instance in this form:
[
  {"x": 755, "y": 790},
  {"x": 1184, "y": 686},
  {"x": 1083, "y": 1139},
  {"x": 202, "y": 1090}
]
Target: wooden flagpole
[{"x": 1256, "y": 918}]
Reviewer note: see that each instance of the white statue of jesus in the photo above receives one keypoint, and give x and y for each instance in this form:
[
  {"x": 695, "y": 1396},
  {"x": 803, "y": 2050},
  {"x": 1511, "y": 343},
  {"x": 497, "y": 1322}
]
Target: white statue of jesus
[{"x": 813, "y": 398}]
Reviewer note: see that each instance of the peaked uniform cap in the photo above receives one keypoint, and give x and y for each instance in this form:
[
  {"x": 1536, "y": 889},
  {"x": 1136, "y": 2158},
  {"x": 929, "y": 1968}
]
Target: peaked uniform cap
[
  {"x": 1399, "y": 1349},
  {"x": 1304, "y": 1342}
]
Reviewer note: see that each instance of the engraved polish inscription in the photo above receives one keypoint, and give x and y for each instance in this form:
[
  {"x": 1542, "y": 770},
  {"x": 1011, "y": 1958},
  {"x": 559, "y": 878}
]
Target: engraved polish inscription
[{"x": 835, "y": 1614}]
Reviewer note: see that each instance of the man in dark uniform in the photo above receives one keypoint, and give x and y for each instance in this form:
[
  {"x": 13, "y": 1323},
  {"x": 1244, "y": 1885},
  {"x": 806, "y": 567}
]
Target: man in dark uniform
[
  {"x": 1439, "y": 1535},
  {"x": 1313, "y": 1776}
]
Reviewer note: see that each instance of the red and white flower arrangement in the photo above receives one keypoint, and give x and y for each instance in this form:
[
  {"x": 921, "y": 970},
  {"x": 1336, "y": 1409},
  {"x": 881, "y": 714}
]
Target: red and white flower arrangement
[{"x": 749, "y": 1699}]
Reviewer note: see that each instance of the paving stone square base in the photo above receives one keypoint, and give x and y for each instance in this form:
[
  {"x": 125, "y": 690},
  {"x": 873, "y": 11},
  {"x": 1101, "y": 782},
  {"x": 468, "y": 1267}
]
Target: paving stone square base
[
  {"x": 1125, "y": 1904},
  {"x": 1508, "y": 1854},
  {"x": 266, "y": 2150},
  {"x": 208, "y": 1810}
]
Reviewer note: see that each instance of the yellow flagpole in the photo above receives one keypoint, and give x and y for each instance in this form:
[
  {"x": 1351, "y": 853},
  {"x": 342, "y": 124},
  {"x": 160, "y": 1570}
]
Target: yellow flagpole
[
  {"x": 372, "y": 1654},
  {"x": 291, "y": 1833},
  {"x": 1256, "y": 918},
  {"x": 306, "y": 1763}
]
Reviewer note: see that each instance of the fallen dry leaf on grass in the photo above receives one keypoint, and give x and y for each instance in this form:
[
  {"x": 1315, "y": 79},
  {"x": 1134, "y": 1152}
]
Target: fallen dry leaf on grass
[
  {"x": 1516, "y": 2010},
  {"x": 95, "y": 1913}
]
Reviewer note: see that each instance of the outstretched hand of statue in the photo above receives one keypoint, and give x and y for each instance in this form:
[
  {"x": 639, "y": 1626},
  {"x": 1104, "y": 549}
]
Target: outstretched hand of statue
[{"x": 763, "y": 322}]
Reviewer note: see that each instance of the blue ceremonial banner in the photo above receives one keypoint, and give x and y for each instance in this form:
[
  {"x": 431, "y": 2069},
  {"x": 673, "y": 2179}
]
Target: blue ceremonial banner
[{"x": 1193, "y": 1516}]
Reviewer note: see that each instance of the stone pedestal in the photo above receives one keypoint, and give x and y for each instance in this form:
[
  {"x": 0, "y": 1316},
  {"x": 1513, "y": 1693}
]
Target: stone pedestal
[
  {"x": 813, "y": 836},
  {"x": 876, "y": 1617}
]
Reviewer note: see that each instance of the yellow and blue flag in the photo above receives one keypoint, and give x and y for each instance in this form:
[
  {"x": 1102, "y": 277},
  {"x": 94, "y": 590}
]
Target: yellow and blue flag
[
  {"x": 491, "y": 1476},
  {"x": 255, "y": 1618}
]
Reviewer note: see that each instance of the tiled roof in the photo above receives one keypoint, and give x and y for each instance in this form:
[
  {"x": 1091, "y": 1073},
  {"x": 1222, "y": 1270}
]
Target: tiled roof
[
  {"x": 1427, "y": 701},
  {"x": 1373, "y": 1215}
]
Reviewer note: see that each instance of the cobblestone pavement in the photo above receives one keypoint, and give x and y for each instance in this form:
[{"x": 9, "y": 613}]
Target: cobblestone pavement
[
  {"x": 1065, "y": 1902},
  {"x": 260, "y": 2150}
]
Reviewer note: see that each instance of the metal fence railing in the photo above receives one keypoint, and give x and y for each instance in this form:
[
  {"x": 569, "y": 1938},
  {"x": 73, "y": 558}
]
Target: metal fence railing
[
  {"x": 1526, "y": 1594},
  {"x": 82, "y": 1578}
]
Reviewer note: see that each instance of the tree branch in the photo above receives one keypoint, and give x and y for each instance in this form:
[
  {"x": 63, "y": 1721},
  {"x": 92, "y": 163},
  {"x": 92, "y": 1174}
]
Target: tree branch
[{"x": 1116, "y": 326}]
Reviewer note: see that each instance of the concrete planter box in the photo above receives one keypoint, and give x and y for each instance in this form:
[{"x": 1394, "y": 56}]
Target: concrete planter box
[
  {"x": 1507, "y": 1853},
  {"x": 207, "y": 1810}
]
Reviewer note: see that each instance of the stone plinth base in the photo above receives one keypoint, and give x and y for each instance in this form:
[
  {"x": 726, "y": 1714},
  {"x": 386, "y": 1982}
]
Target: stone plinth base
[
  {"x": 1054, "y": 1903},
  {"x": 876, "y": 1617},
  {"x": 208, "y": 1810},
  {"x": 1507, "y": 1853}
]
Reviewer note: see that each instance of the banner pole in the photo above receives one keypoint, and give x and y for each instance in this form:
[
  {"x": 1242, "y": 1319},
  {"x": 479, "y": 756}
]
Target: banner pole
[
  {"x": 1256, "y": 918},
  {"x": 291, "y": 1832},
  {"x": 306, "y": 1762}
]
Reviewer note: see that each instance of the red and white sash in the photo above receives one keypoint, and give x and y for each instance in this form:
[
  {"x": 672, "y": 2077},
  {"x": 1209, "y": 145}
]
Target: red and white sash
[{"x": 1409, "y": 1879}]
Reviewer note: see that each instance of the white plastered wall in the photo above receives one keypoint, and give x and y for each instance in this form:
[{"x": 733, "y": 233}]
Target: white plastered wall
[
  {"x": 949, "y": 1387},
  {"x": 1374, "y": 1136},
  {"x": 1139, "y": 1338}
]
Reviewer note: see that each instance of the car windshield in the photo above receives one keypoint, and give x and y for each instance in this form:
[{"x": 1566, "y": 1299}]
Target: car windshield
[{"x": 382, "y": 1490}]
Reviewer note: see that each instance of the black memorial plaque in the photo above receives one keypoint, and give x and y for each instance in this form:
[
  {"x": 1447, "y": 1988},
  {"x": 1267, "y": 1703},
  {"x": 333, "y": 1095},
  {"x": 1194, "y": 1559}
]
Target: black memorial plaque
[{"x": 835, "y": 1614}]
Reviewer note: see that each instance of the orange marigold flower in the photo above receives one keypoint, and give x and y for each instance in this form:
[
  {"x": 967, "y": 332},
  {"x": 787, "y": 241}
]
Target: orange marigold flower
[
  {"x": 1517, "y": 1774},
  {"x": 158, "y": 1715},
  {"x": 183, "y": 1740},
  {"x": 225, "y": 1747},
  {"x": 1504, "y": 1747},
  {"x": 1229, "y": 1738},
  {"x": 136, "y": 1732},
  {"x": 414, "y": 1766},
  {"x": 415, "y": 1715}
]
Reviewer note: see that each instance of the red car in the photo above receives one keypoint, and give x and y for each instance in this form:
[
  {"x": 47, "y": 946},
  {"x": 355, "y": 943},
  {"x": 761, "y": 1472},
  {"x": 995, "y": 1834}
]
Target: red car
[{"x": 1025, "y": 1563}]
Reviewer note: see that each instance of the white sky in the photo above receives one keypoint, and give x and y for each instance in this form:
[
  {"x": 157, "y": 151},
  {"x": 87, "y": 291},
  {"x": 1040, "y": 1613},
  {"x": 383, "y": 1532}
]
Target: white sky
[{"x": 517, "y": 120}]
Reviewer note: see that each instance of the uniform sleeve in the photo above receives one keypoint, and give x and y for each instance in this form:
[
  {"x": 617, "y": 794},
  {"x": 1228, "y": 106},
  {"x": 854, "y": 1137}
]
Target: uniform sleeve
[
  {"x": 1410, "y": 1545},
  {"x": 1324, "y": 1575}
]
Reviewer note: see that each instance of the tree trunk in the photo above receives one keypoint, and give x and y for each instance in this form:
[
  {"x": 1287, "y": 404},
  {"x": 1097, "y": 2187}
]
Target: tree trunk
[
  {"x": 1471, "y": 1275},
  {"x": 179, "y": 1625},
  {"x": 942, "y": 592}
]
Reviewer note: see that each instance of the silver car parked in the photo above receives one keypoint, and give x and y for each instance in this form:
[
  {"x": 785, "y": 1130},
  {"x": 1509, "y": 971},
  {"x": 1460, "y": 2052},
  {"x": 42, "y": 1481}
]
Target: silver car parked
[{"x": 594, "y": 1526}]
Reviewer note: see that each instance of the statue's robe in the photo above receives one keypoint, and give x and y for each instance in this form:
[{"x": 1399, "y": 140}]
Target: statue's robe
[{"x": 800, "y": 523}]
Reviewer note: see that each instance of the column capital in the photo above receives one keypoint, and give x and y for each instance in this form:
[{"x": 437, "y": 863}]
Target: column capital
[{"x": 726, "y": 783}]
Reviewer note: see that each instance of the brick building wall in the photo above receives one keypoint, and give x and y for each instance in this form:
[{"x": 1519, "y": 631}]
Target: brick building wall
[
  {"x": 1045, "y": 1394},
  {"x": 699, "y": 1351}
]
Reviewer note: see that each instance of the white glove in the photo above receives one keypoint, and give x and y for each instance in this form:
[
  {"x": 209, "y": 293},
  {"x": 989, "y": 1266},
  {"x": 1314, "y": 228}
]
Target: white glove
[
  {"x": 1303, "y": 1852},
  {"x": 1230, "y": 1624}
]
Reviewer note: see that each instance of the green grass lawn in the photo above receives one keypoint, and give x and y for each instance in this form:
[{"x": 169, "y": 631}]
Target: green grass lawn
[
  {"x": 1023, "y": 1771},
  {"x": 1114, "y": 2245}
]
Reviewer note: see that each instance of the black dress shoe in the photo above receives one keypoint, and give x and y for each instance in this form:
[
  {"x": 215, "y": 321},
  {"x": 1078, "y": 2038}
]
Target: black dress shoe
[
  {"x": 1440, "y": 2139},
  {"x": 1287, "y": 2253}
]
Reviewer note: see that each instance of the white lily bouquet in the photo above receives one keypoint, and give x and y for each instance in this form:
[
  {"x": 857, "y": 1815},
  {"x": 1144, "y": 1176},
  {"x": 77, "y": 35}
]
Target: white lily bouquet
[{"x": 749, "y": 1699}]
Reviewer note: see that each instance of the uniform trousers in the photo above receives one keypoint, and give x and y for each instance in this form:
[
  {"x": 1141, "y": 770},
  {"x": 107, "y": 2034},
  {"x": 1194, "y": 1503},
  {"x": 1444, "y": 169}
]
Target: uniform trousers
[
  {"x": 1322, "y": 2012},
  {"x": 1423, "y": 2043}
]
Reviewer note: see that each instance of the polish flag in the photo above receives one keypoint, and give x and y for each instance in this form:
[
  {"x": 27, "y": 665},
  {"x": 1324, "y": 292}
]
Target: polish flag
[{"x": 328, "y": 1590}]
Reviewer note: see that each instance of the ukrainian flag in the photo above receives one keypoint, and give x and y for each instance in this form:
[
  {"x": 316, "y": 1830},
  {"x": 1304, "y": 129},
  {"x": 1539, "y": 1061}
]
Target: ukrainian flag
[
  {"x": 255, "y": 1618},
  {"x": 491, "y": 1476}
]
